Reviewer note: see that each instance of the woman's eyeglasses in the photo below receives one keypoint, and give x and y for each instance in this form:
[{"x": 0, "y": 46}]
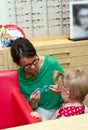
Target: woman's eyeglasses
[{"x": 35, "y": 62}]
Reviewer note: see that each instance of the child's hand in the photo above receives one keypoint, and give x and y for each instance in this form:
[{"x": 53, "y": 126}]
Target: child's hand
[
  {"x": 36, "y": 115},
  {"x": 55, "y": 89}
]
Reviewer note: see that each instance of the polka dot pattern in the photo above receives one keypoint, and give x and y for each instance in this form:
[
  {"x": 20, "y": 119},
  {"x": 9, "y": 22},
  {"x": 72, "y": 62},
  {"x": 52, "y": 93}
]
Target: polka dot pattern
[{"x": 71, "y": 111}]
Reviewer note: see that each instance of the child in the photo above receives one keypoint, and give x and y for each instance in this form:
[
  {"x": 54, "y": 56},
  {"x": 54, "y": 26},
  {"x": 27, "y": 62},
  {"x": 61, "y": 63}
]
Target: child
[{"x": 74, "y": 88}]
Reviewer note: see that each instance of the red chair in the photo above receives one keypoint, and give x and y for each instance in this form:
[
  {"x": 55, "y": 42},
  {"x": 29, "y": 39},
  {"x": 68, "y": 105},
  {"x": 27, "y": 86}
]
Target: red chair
[{"x": 14, "y": 109}]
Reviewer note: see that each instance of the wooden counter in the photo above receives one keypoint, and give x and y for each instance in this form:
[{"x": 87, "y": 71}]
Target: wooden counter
[{"x": 67, "y": 123}]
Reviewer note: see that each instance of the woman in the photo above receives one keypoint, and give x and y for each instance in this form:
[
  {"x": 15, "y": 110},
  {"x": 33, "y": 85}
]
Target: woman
[{"x": 36, "y": 76}]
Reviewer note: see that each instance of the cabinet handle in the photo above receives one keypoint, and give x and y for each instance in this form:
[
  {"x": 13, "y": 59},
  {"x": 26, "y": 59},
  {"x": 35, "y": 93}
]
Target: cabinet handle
[
  {"x": 67, "y": 53},
  {"x": 66, "y": 63}
]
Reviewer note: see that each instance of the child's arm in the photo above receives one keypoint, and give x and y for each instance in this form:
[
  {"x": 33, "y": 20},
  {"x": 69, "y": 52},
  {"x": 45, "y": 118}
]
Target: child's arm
[
  {"x": 86, "y": 109},
  {"x": 55, "y": 89},
  {"x": 36, "y": 115}
]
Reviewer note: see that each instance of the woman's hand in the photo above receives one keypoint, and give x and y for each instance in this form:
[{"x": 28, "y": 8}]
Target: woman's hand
[
  {"x": 55, "y": 89},
  {"x": 34, "y": 99}
]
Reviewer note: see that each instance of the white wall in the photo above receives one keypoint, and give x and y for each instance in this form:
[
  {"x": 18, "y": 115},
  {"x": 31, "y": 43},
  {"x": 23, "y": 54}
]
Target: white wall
[{"x": 3, "y": 12}]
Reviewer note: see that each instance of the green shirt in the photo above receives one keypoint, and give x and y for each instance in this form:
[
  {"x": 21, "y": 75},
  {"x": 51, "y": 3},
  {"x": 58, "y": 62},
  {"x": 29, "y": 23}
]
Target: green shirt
[{"x": 42, "y": 82}]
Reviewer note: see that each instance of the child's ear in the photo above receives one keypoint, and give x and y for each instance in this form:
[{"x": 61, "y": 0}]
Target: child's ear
[{"x": 68, "y": 93}]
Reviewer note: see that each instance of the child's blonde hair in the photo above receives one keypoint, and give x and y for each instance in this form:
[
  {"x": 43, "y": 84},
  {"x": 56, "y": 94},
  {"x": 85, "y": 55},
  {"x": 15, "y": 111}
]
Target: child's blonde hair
[{"x": 76, "y": 81}]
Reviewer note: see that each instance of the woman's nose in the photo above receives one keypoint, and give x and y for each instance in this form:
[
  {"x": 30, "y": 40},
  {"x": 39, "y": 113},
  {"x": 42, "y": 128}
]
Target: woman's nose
[{"x": 32, "y": 66}]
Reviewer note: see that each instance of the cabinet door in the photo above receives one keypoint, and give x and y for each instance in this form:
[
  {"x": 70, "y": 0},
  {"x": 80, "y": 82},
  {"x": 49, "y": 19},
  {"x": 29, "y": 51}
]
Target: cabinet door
[
  {"x": 3, "y": 60},
  {"x": 81, "y": 50},
  {"x": 79, "y": 56},
  {"x": 61, "y": 54}
]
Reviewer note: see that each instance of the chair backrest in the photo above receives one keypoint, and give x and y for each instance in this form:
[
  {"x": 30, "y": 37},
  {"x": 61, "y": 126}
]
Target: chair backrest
[{"x": 14, "y": 109}]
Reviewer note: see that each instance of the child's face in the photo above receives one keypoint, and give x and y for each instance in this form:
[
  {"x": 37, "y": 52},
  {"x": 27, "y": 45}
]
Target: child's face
[{"x": 64, "y": 91}]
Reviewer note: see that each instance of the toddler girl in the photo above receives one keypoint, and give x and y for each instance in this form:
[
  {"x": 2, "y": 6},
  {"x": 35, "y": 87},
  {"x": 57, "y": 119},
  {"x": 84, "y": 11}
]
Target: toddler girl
[{"x": 74, "y": 88}]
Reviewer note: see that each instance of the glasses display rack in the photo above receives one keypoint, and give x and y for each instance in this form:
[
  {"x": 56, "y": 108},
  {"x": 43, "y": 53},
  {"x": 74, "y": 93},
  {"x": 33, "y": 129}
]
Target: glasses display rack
[{"x": 40, "y": 18}]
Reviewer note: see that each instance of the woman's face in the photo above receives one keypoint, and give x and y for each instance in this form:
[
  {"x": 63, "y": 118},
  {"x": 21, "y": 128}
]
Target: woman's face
[
  {"x": 83, "y": 17},
  {"x": 30, "y": 65}
]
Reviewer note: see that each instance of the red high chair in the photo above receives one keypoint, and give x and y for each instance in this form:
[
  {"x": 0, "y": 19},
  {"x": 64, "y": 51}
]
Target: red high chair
[{"x": 14, "y": 109}]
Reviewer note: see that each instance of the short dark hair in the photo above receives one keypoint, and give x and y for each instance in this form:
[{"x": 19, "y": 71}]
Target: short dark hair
[{"x": 21, "y": 47}]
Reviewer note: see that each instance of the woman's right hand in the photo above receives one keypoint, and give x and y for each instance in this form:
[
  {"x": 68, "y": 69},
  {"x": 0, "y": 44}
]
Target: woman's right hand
[{"x": 34, "y": 99}]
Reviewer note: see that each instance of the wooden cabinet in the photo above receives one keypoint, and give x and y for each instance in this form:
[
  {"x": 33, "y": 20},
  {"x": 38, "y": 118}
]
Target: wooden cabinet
[{"x": 69, "y": 53}]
